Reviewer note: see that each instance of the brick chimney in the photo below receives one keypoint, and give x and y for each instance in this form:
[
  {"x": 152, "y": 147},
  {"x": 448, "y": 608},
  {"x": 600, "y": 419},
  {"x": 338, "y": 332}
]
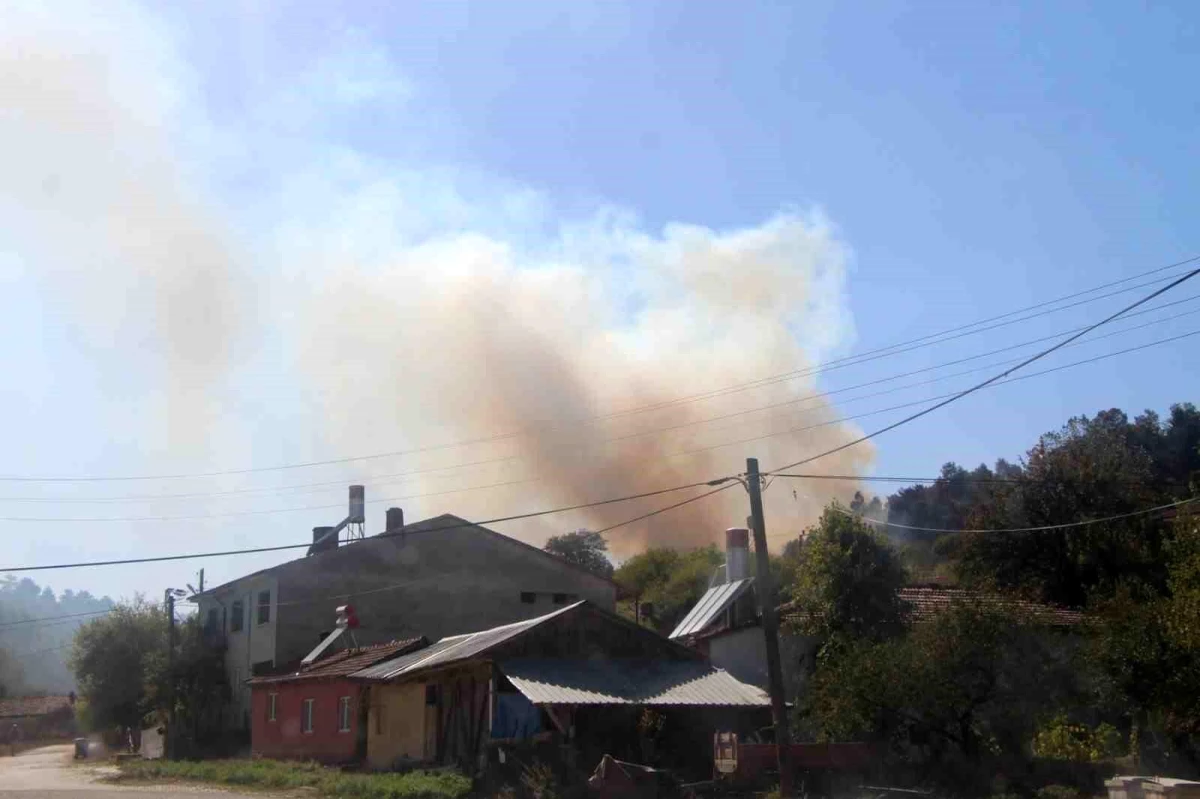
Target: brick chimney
[{"x": 737, "y": 554}]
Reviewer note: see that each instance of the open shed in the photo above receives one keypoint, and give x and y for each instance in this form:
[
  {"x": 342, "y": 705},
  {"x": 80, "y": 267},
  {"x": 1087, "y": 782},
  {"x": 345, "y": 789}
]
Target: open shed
[{"x": 580, "y": 676}]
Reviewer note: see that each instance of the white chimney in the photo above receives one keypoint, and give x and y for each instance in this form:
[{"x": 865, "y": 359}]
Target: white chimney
[{"x": 737, "y": 554}]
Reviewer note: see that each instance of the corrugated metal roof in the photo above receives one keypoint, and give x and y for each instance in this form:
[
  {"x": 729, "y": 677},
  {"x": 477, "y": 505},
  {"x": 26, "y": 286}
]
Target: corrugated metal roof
[
  {"x": 454, "y": 648},
  {"x": 629, "y": 682},
  {"x": 711, "y": 605},
  {"x": 348, "y": 661}
]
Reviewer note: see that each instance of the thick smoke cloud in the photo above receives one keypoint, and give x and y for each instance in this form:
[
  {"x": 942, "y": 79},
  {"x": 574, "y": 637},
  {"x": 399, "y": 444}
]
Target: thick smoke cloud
[
  {"x": 466, "y": 336},
  {"x": 562, "y": 354},
  {"x": 96, "y": 199}
]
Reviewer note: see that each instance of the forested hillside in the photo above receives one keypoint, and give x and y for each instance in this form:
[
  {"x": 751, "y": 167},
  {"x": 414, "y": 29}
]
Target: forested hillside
[
  {"x": 34, "y": 642},
  {"x": 1094, "y": 467}
]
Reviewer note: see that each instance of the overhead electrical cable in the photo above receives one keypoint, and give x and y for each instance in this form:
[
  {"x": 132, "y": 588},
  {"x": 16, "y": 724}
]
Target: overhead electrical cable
[
  {"x": 995, "y": 378},
  {"x": 681, "y": 453},
  {"x": 838, "y": 363},
  {"x": 953, "y": 398},
  {"x": 306, "y": 544},
  {"x": 640, "y": 434},
  {"x": 1037, "y": 529}
]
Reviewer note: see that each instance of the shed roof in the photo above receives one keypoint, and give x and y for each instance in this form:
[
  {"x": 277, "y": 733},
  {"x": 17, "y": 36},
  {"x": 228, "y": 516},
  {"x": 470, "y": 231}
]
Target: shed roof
[
  {"x": 346, "y": 662},
  {"x": 18, "y": 706},
  {"x": 629, "y": 682},
  {"x": 455, "y": 648},
  {"x": 712, "y": 604}
]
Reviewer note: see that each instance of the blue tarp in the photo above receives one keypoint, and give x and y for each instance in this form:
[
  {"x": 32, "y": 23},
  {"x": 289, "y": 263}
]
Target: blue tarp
[{"x": 516, "y": 717}]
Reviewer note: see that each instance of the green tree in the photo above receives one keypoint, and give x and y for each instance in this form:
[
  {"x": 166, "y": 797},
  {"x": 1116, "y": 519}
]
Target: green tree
[
  {"x": 583, "y": 548},
  {"x": 114, "y": 658},
  {"x": 843, "y": 580},
  {"x": 670, "y": 582},
  {"x": 956, "y": 697},
  {"x": 1092, "y": 468}
]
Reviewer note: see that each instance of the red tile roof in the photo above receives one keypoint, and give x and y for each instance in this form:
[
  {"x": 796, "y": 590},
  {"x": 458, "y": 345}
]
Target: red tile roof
[
  {"x": 32, "y": 705},
  {"x": 348, "y": 661},
  {"x": 925, "y": 601}
]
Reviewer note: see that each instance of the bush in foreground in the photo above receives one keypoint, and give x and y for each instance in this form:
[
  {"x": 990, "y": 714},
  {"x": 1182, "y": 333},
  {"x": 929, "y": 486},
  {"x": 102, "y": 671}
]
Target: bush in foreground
[{"x": 327, "y": 781}]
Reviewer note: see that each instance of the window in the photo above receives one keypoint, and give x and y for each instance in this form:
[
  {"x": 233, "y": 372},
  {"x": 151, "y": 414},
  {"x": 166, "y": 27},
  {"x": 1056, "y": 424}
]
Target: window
[
  {"x": 431, "y": 693},
  {"x": 528, "y": 597},
  {"x": 236, "y": 617},
  {"x": 210, "y": 626},
  {"x": 561, "y": 599},
  {"x": 344, "y": 714},
  {"x": 272, "y": 704},
  {"x": 264, "y": 607},
  {"x": 306, "y": 715}
]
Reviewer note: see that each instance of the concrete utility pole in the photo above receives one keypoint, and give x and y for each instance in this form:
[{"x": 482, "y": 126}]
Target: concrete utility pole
[
  {"x": 770, "y": 622},
  {"x": 169, "y": 606}
]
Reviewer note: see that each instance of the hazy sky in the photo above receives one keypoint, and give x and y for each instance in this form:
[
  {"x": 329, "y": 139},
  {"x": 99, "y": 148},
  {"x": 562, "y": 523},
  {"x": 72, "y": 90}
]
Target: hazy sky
[{"x": 243, "y": 235}]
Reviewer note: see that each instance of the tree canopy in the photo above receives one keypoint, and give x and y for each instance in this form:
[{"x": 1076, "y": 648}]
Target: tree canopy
[
  {"x": 117, "y": 659},
  {"x": 668, "y": 581},
  {"x": 845, "y": 580},
  {"x": 583, "y": 548}
]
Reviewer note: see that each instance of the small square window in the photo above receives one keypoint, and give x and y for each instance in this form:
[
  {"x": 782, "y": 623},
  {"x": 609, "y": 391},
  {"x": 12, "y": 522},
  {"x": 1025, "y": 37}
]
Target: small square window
[
  {"x": 344, "y": 714},
  {"x": 306, "y": 715},
  {"x": 560, "y": 599},
  {"x": 237, "y": 617},
  {"x": 528, "y": 597},
  {"x": 264, "y": 607},
  {"x": 272, "y": 705}
]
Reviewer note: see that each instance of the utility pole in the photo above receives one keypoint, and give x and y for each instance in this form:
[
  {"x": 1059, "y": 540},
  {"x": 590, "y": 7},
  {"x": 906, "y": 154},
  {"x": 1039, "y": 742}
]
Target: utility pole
[
  {"x": 770, "y": 621},
  {"x": 169, "y": 604}
]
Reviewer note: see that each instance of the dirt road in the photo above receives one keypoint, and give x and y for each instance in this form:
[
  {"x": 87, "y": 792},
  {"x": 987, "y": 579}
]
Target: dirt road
[{"x": 51, "y": 773}]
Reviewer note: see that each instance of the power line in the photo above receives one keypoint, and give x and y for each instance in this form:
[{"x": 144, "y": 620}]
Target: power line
[
  {"x": 960, "y": 479},
  {"x": 912, "y": 344},
  {"x": 894, "y": 349},
  {"x": 667, "y": 508},
  {"x": 640, "y": 434},
  {"x": 990, "y": 381},
  {"x": 912, "y": 417},
  {"x": 922, "y": 401},
  {"x": 838, "y": 420},
  {"x": 55, "y": 618},
  {"x": 283, "y": 547},
  {"x": 1039, "y": 529}
]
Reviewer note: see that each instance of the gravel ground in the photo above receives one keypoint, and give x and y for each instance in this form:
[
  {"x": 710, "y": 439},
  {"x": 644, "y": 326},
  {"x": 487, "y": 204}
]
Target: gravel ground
[{"x": 51, "y": 772}]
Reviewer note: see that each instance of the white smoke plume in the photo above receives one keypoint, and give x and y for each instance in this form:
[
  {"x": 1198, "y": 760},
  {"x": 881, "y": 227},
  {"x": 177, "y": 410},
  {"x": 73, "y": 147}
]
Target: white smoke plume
[
  {"x": 466, "y": 336},
  {"x": 93, "y": 194},
  {"x": 440, "y": 331}
]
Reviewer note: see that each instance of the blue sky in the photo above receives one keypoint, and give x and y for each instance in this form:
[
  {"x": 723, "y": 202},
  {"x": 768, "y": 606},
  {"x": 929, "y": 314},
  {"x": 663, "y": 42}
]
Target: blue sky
[{"x": 967, "y": 159}]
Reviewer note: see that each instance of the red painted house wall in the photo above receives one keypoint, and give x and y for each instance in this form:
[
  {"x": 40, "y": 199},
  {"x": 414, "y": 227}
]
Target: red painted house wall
[{"x": 283, "y": 739}]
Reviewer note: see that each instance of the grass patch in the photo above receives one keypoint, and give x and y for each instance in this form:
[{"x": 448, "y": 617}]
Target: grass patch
[{"x": 284, "y": 775}]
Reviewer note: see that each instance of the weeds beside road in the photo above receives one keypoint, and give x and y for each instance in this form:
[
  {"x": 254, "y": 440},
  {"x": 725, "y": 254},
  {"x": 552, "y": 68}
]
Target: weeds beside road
[{"x": 280, "y": 775}]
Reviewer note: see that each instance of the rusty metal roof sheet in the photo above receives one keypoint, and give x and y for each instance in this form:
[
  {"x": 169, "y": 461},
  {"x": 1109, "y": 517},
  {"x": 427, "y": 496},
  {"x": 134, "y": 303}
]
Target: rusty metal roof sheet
[
  {"x": 714, "y": 602},
  {"x": 18, "y": 706},
  {"x": 348, "y": 661},
  {"x": 454, "y": 648},
  {"x": 925, "y": 602},
  {"x": 629, "y": 682}
]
